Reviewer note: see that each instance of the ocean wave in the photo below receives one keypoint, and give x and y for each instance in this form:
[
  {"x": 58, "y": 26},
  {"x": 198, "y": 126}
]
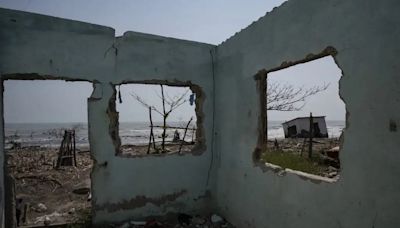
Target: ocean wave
[{"x": 38, "y": 134}]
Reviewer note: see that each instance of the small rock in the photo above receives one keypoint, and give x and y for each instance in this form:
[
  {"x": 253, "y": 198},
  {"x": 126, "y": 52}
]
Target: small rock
[
  {"x": 40, "y": 207},
  {"x": 332, "y": 169},
  {"x": 71, "y": 211},
  {"x": 332, "y": 174},
  {"x": 281, "y": 173},
  {"x": 216, "y": 218},
  {"x": 47, "y": 220}
]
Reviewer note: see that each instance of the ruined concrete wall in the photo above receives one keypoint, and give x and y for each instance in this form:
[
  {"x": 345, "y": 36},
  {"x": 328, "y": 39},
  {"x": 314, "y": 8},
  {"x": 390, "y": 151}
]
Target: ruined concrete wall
[
  {"x": 153, "y": 185},
  {"x": 41, "y": 47},
  {"x": 365, "y": 35}
]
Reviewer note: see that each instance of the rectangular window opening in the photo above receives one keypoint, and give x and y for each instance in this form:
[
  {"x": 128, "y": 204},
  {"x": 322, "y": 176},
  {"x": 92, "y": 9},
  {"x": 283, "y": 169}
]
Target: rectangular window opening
[
  {"x": 48, "y": 161},
  {"x": 305, "y": 118},
  {"x": 156, "y": 119}
]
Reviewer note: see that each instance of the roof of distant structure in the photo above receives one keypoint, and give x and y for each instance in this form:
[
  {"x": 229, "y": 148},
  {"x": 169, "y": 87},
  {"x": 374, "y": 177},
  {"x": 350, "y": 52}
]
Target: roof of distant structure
[{"x": 307, "y": 117}]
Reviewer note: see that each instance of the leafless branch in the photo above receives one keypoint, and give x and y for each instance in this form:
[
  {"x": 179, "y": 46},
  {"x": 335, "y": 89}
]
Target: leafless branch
[
  {"x": 144, "y": 103},
  {"x": 286, "y": 97},
  {"x": 169, "y": 104}
]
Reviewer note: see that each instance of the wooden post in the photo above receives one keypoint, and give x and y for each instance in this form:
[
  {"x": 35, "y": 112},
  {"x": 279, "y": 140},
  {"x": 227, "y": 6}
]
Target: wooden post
[
  {"x": 193, "y": 132},
  {"x": 25, "y": 214},
  {"x": 164, "y": 134},
  {"x": 302, "y": 147},
  {"x": 184, "y": 135},
  {"x": 310, "y": 137},
  {"x": 151, "y": 131},
  {"x": 74, "y": 151}
]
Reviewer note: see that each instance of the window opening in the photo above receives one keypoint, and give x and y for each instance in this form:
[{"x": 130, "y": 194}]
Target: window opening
[
  {"x": 305, "y": 117},
  {"x": 156, "y": 119},
  {"x": 48, "y": 161}
]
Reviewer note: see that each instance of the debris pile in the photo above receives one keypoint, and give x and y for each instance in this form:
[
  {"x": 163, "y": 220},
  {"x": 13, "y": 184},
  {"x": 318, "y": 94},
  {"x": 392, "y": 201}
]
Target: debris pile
[
  {"x": 46, "y": 194},
  {"x": 181, "y": 221}
]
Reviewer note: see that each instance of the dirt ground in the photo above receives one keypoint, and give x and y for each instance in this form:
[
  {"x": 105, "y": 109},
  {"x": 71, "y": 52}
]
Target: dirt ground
[{"x": 51, "y": 195}]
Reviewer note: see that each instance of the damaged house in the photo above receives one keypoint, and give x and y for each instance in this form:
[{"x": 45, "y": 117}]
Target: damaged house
[
  {"x": 300, "y": 127},
  {"x": 223, "y": 173}
]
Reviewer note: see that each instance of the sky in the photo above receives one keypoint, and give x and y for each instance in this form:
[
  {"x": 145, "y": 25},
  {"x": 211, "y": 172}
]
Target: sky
[{"x": 208, "y": 21}]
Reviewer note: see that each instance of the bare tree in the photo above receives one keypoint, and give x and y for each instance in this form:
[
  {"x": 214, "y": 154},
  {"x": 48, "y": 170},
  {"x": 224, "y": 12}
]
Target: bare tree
[
  {"x": 287, "y": 97},
  {"x": 169, "y": 104}
]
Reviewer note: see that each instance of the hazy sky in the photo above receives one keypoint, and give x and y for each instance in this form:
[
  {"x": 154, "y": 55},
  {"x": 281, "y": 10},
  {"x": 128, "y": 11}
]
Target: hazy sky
[
  {"x": 45, "y": 101},
  {"x": 209, "y": 21}
]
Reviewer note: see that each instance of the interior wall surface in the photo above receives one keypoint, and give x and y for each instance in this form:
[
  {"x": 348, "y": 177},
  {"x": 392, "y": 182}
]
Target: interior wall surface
[
  {"x": 365, "y": 34},
  {"x": 34, "y": 46}
]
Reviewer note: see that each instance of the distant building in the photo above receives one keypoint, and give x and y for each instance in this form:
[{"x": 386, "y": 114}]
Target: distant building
[{"x": 300, "y": 127}]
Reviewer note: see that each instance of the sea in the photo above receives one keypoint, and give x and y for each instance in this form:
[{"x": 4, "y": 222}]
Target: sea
[{"x": 50, "y": 134}]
